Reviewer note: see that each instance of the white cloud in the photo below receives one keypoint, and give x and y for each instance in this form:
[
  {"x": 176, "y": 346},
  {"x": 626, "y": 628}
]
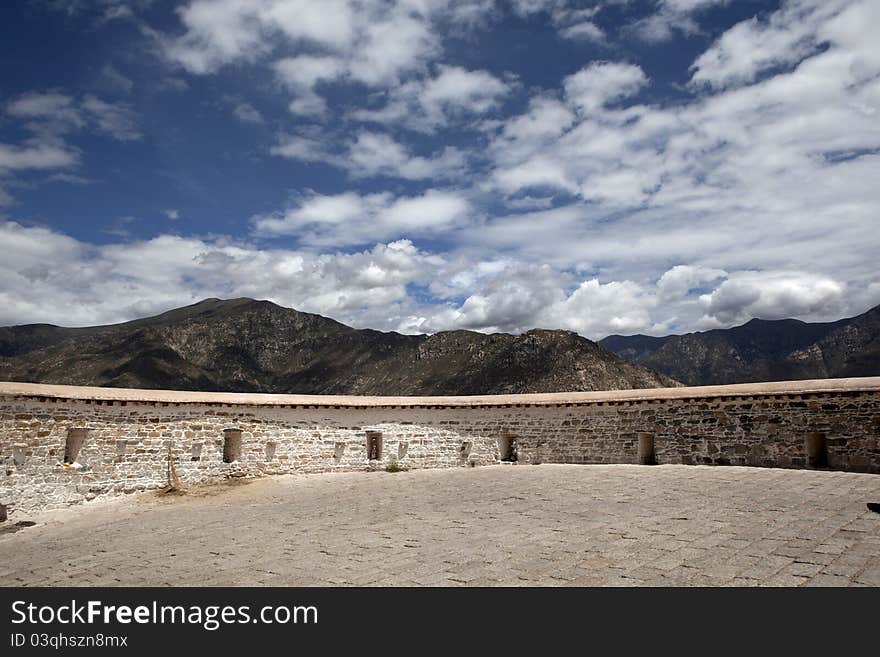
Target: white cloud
[
  {"x": 773, "y": 295},
  {"x": 671, "y": 17},
  {"x": 373, "y": 154},
  {"x": 51, "y": 117},
  {"x": 595, "y": 309},
  {"x": 455, "y": 89},
  {"x": 374, "y": 42},
  {"x": 301, "y": 74},
  {"x": 398, "y": 42},
  {"x": 113, "y": 80},
  {"x": 54, "y": 113},
  {"x": 511, "y": 301},
  {"x": 247, "y": 113},
  {"x": 603, "y": 83},
  {"x": 429, "y": 103},
  {"x": 583, "y": 31},
  {"x": 172, "y": 214},
  {"x": 56, "y": 107},
  {"x": 756, "y": 194},
  {"x": 298, "y": 147},
  {"x": 54, "y": 278},
  {"x": 36, "y": 156},
  {"x": 681, "y": 280},
  {"x": 756, "y": 45},
  {"x": 378, "y": 43},
  {"x": 351, "y": 219},
  {"x": 114, "y": 119}
]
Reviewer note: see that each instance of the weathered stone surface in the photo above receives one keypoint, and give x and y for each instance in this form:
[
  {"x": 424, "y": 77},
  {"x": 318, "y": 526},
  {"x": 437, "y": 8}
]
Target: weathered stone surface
[
  {"x": 129, "y": 432},
  {"x": 552, "y": 525}
]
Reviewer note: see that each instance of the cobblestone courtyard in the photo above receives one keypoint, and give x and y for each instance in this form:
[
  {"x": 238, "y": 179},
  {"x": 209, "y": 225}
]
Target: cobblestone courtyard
[{"x": 501, "y": 525}]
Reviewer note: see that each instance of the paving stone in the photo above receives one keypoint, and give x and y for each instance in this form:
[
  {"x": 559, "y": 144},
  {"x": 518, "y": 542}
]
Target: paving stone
[{"x": 554, "y": 525}]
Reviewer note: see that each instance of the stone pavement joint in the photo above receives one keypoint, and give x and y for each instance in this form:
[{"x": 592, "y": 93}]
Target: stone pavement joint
[{"x": 547, "y": 525}]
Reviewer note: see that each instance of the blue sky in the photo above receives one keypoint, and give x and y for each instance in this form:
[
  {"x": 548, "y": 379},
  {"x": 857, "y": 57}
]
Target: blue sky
[{"x": 605, "y": 167}]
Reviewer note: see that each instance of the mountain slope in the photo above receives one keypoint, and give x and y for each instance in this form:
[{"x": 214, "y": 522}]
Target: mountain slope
[
  {"x": 761, "y": 350},
  {"x": 249, "y": 346}
]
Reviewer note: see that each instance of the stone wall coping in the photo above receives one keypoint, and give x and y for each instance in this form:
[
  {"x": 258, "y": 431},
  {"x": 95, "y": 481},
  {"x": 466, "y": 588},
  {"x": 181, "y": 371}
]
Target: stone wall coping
[{"x": 84, "y": 393}]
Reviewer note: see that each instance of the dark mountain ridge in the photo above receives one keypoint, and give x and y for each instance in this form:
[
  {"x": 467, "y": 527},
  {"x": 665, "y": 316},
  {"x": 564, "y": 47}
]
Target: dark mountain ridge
[
  {"x": 761, "y": 350},
  {"x": 243, "y": 345}
]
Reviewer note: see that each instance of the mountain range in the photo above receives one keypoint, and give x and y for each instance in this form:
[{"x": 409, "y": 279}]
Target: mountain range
[
  {"x": 761, "y": 350},
  {"x": 243, "y": 345}
]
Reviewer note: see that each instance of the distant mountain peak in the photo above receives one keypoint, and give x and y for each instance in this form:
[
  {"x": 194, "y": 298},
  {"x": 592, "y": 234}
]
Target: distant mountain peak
[
  {"x": 251, "y": 345},
  {"x": 761, "y": 350}
]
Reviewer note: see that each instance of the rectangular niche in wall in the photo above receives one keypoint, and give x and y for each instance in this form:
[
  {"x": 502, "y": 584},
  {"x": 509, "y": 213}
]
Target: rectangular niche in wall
[
  {"x": 464, "y": 451},
  {"x": 76, "y": 438},
  {"x": 817, "y": 450},
  {"x": 195, "y": 453},
  {"x": 231, "y": 445},
  {"x": 270, "y": 451},
  {"x": 402, "y": 450},
  {"x": 507, "y": 447},
  {"x": 19, "y": 454},
  {"x": 338, "y": 451},
  {"x": 374, "y": 445}
]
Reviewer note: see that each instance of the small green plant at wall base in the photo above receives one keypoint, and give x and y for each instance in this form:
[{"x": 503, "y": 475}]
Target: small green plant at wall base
[{"x": 394, "y": 466}]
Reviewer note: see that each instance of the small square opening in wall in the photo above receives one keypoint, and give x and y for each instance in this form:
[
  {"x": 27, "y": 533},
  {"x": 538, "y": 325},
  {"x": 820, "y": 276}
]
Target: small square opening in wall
[
  {"x": 374, "y": 445},
  {"x": 76, "y": 438},
  {"x": 231, "y": 445},
  {"x": 507, "y": 448}
]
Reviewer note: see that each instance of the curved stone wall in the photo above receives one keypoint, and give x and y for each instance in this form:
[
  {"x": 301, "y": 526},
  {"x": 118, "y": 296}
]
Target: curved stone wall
[{"x": 60, "y": 445}]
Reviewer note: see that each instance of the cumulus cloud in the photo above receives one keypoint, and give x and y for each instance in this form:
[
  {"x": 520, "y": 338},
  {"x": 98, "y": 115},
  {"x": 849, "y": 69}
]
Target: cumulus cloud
[
  {"x": 54, "y": 113},
  {"x": 55, "y": 278},
  {"x": 114, "y": 119},
  {"x": 753, "y": 173},
  {"x": 680, "y": 281},
  {"x": 583, "y": 31},
  {"x": 784, "y": 38},
  {"x": 671, "y": 17},
  {"x": 508, "y": 302},
  {"x": 36, "y": 155},
  {"x": 302, "y": 74},
  {"x": 351, "y": 219},
  {"x": 600, "y": 84},
  {"x": 247, "y": 113},
  {"x": 373, "y": 154},
  {"x": 753, "y": 194},
  {"x": 50, "y": 118},
  {"x": 426, "y": 104},
  {"x": 373, "y": 42},
  {"x": 52, "y": 276},
  {"x": 775, "y": 295},
  {"x": 57, "y": 108}
]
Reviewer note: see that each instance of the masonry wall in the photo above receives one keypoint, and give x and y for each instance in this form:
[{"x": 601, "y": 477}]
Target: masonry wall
[{"x": 125, "y": 445}]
